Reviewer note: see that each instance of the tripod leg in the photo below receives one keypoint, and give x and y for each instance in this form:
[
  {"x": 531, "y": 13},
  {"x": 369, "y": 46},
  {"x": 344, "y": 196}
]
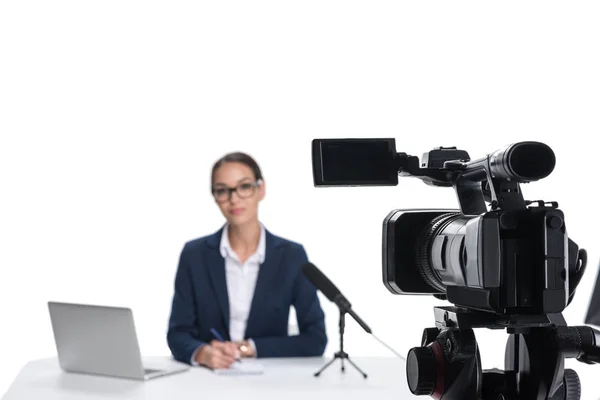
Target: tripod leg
[
  {"x": 358, "y": 369},
  {"x": 343, "y": 368},
  {"x": 324, "y": 367}
]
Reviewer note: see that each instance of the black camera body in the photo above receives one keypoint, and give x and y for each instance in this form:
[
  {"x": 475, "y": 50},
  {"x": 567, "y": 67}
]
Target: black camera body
[
  {"x": 511, "y": 267},
  {"x": 515, "y": 258},
  {"x": 511, "y": 262}
]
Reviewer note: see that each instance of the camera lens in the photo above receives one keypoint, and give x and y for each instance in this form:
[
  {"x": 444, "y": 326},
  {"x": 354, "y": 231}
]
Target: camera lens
[{"x": 433, "y": 255}]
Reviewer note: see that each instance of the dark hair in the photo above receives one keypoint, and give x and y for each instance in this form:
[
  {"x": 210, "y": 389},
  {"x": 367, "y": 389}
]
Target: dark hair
[{"x": 238, "y": 157}]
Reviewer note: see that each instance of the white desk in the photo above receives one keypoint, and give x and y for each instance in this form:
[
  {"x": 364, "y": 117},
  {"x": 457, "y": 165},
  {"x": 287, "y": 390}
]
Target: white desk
[
  {"x": 289, "y": 379},
  {"x": 283, "y": 378}
]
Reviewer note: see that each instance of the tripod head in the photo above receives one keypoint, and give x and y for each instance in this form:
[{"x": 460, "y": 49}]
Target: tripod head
[{"x": 447, "y": 365}]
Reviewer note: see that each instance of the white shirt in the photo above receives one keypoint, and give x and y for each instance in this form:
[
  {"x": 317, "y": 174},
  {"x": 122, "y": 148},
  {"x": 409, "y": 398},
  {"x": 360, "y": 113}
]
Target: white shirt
[{"x": 241, "y": 282}]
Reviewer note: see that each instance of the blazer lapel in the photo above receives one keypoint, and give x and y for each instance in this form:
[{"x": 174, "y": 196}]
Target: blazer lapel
[
  {"x": 266, "y": 275},
  {"x": 216, "y": 271}
]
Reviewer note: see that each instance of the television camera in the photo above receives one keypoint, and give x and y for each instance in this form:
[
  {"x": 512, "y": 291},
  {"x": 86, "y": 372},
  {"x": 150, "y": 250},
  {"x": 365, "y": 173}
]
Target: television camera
[{"x": 511, "y": 266}]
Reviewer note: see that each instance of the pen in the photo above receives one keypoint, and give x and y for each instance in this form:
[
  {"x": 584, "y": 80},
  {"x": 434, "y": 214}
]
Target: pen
[
  {"x": 216, "y": 335},
  {"x": 220, "y": 339}
]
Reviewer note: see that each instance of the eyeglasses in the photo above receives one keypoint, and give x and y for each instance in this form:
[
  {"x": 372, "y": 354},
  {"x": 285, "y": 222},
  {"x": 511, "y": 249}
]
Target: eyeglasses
[{"x": 243, "y": 190}]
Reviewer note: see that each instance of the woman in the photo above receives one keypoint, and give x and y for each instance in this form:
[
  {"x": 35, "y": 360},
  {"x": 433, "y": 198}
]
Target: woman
[{"x": 234, "y": 288}]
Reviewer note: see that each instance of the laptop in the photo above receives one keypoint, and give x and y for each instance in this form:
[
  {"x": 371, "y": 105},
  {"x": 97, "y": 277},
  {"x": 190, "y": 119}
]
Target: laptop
[{"x": 102, "y": 340}]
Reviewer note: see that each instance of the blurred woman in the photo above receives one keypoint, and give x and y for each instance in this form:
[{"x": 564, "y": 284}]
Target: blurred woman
[{"x": 234, "y": 287}]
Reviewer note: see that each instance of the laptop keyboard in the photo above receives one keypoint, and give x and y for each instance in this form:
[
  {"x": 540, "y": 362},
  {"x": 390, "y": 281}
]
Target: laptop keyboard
[{"x": 151, "y": 371}]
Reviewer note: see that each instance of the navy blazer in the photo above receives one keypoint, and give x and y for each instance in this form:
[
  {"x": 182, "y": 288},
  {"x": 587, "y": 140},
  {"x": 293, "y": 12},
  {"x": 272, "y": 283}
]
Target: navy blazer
[{"x": 200, "y": 301}]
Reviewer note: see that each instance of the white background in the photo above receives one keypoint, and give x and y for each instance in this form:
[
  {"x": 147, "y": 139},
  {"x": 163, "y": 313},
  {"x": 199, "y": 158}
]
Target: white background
[{"x": 112, "y": 113}]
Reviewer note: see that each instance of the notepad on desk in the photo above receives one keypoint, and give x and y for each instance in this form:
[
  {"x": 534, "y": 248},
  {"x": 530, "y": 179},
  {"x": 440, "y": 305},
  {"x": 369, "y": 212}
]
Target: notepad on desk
[{"x": 241, "y": 368}]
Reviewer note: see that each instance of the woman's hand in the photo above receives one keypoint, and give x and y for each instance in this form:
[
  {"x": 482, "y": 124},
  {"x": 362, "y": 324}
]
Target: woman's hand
[{"x": 217, "y": 355}]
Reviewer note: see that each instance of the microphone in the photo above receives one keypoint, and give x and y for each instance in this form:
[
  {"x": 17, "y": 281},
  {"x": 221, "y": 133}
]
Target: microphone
[{"x": 317, "y": 278}]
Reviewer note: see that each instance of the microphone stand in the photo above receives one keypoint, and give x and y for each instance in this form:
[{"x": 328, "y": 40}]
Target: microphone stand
[{"x": 341, "y": 354}]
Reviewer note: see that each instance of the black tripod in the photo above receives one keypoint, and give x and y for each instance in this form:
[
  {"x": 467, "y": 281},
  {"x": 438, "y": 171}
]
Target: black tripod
[
  {"x": 341, "y": 354},
  {"x": 447, "y": 365}
]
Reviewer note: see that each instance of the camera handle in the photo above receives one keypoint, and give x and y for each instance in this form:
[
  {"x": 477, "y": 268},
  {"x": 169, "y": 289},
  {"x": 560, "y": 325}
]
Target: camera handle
[{"x": 448, "y": 365}]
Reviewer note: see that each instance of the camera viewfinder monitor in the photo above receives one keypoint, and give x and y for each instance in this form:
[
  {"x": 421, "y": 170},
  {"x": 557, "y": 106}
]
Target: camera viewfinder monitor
[{"x": 354, "y": 162}]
